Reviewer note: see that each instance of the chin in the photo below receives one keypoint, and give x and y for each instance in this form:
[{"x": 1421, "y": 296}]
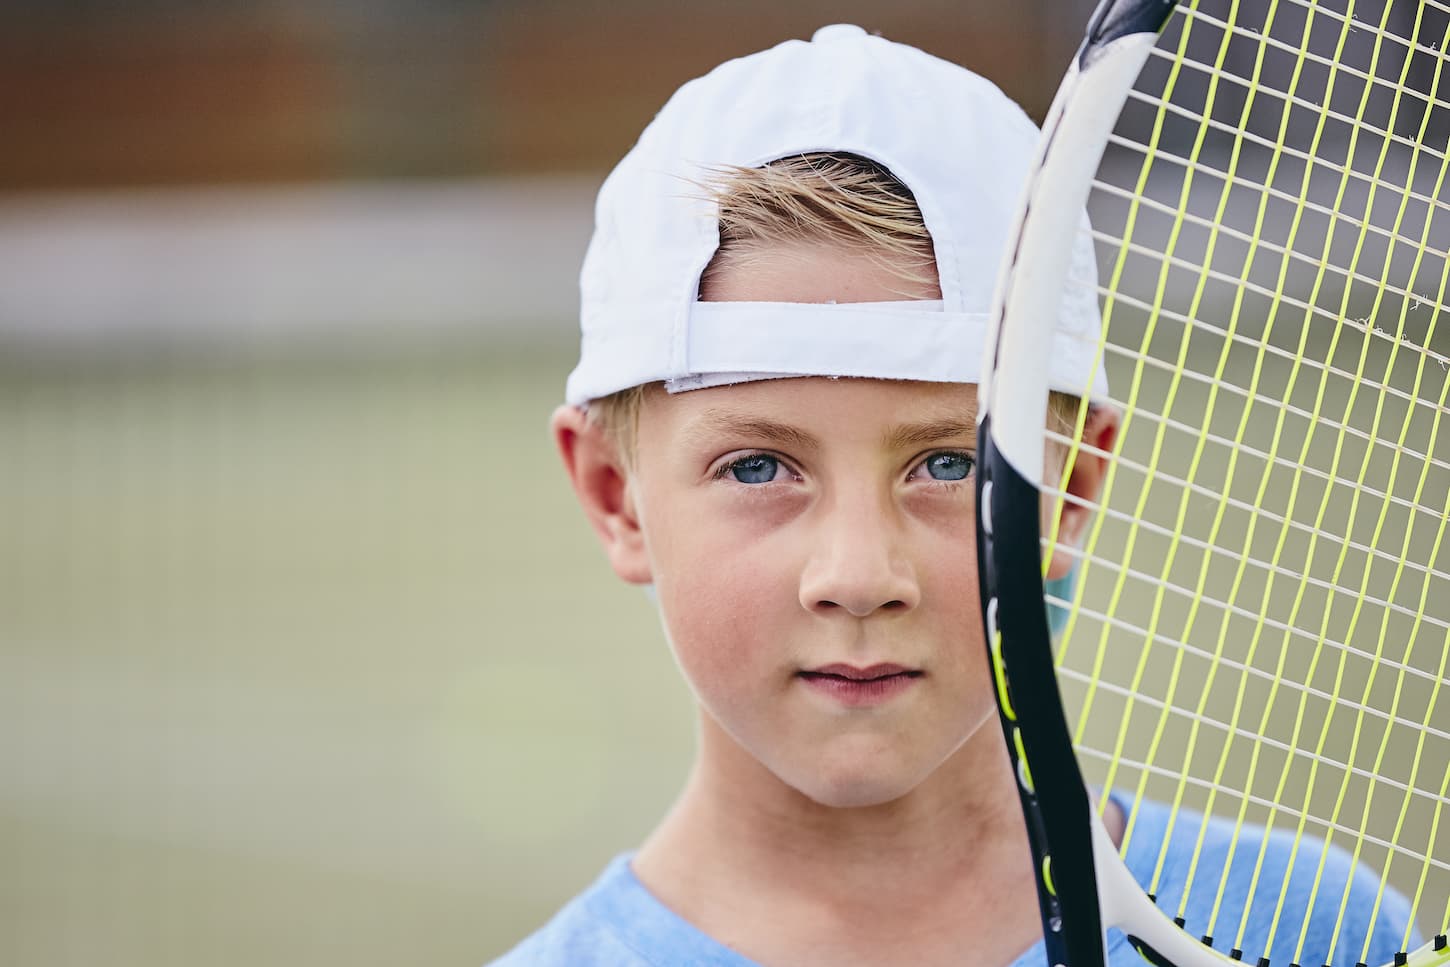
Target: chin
[
  {"x": 857, "y": 787},
  {"x": 867, "y": 792},
  {"x": 861, "y": 769}
]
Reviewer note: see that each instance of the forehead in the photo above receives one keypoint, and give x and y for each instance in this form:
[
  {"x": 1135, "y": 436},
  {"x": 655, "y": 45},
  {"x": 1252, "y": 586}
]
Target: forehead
[
  {"x": 813, "y": 271},
  {"x": 813, "y": 411}
]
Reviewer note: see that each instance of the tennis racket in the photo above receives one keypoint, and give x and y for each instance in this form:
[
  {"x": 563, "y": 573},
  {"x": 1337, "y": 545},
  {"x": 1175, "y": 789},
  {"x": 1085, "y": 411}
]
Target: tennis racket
[{"x": 1236, "y": 746}]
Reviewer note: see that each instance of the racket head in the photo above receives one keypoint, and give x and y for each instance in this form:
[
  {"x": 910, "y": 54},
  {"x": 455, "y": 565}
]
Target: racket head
[{"x": 1258, "y": 630}]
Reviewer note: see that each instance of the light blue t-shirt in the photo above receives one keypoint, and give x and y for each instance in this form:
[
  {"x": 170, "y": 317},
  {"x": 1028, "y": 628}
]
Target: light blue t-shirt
[{"x": 617, "y": 922}]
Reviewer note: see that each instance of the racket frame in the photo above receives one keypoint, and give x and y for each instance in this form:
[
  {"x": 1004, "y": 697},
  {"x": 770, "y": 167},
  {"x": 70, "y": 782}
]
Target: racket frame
[{"x": 1083, "y": 885}]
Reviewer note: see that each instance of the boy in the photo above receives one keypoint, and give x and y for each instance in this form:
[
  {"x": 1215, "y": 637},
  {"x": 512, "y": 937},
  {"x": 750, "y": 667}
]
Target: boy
[{"x": 773, "y": 423}]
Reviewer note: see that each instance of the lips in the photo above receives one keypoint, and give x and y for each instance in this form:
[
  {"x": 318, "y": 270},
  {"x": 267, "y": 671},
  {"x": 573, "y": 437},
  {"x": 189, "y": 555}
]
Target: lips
[
  {"x": 855, "y": 687},
  {"x": 852, "y": 673}
]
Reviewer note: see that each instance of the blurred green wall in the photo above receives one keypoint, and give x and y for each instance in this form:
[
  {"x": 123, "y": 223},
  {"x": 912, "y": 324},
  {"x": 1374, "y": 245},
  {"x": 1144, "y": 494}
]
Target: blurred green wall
[{"x": 309, "y": 662}]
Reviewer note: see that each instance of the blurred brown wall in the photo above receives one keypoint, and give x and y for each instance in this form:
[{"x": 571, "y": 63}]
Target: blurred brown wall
[{"x": 166, "y": 93}]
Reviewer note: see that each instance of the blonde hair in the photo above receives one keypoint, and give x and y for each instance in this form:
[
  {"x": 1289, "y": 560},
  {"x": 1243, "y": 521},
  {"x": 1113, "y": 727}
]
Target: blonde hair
[
  {"x": 832, "y": 198},
  {"x": 841, "y": 200}
]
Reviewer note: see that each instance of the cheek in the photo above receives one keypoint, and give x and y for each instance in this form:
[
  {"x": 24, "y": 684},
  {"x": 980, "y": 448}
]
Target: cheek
[
  {"x": 725, "y": 599},
  {"x": 957, "y": 621},
  {"x": 945, "y": 554},
  {"x": 946, "y": 567}
]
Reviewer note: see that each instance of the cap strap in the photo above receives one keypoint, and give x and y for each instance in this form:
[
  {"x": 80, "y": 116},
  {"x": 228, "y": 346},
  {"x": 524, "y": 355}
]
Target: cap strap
[{"x": 883, "y": 340}]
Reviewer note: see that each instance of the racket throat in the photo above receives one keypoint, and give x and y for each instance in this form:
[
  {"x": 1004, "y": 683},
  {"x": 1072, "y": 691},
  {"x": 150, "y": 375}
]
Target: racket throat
[{"x": 1059, "y": 817}]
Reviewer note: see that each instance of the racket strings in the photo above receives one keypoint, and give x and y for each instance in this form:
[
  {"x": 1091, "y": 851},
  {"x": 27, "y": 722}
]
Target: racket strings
[
  {"x": 1158, "y": 301},
  {"x": 1371, "y": 79},
  {"x": 1355, "y": 619},
  {"x": 1316, "y": 312},
  {"x": 1285, "y": 486},
  {"x": 1261, "y": 742},
  {"x": 1156, "y": 447},
  {"x": 1267, "y": 456},
  {"x": 1413, "y": 637},
  {"x": 1389, "y": 845},
  {"x": 1389, "y": 718},
  {"x": 1153, "y": 101},
  {"x": 1359, "y": 713},
  {"x": 1231, "y": 609}
]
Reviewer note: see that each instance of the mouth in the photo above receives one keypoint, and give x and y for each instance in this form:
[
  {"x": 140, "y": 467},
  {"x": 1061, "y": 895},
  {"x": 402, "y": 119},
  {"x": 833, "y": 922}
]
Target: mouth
[
  {"x": 851, "y": 673},
  {"x": 854, "y": 686}
]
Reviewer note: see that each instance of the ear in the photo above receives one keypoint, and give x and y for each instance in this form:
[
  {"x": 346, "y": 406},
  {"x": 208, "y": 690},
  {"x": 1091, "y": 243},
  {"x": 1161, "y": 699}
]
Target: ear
[
  {"x": 603, "y": 487},
  {"x": 1085, "y": 483}
]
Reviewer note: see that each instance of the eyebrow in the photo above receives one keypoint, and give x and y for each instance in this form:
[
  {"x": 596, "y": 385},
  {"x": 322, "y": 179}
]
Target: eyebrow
[
  {"x": 714, "y": 422},
  {"x": 909, "y": 435}
]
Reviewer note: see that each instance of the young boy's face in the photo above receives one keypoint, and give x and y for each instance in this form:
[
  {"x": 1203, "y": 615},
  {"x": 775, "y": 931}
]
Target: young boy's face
[
  {"x": 812, "y": 542},
  {"x": 812, "y": 545}
]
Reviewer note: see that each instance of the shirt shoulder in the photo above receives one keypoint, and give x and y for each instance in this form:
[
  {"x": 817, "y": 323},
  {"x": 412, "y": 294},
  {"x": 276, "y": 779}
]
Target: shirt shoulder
[
  {"x": 618, "y": 923},
  {"x": 571, "y": 937},
  {"x": 578, "y": 933}
]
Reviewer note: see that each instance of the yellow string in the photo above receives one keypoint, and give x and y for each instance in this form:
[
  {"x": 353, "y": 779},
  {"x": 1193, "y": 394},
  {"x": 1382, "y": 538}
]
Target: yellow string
[
  {"x": 1338, "y": 454},
  {"x": 1412, "y": 636},
  {"x": 1244, "y": 556},
  {"x": 1439, "y": 536},
  {"x": 1259, "y": 496},
  {"x": 1110, "y": 476},
  {"x": 1254, "y": 241},
  {"x": 1278, "y": 795},
  {"x": 1175, "y": 674},
  {"x": 1359, "y": 384},
  {"x": 1254, "y": 756},
  {"x": 1160, "y": 292},
  {"x": 1231, "y": 470}
]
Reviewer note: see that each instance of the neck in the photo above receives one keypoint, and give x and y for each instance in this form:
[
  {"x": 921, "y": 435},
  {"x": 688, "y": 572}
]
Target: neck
[{"x": 947, "y": 860}]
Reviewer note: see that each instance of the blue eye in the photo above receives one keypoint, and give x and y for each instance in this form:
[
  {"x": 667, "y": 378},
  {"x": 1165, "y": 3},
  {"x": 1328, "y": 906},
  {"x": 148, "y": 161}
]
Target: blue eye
[
  {"x": 755, "y": 469},
  {"x": 949, "y": 466}
]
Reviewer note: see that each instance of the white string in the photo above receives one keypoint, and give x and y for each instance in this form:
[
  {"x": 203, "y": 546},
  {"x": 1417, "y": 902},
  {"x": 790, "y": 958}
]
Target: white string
[
  {"x": 1202, "y": 168},
  {"x": 1264, "y": 566},
  {"x": 1337, "y": 66},
  {"x": 1291, "y": 409},
  {"x": 1140, "y": 698},
  {"x": 1239, "y": 503},
  {"x": 1286, "y": 298},
  {"x": 1304, "y": 156},
  {"x": 1241, "y": 339},
  {"x": 1263, "y": 674},
  {"x": 1201, "y": 783},
  {"x": 1226, "y": 606},
  {"x": 1268, "y": 245},
  {"x": 1387, "y": 364}
]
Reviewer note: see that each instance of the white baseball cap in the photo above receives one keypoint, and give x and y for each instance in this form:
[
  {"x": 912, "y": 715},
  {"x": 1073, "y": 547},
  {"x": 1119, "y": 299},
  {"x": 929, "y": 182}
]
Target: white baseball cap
[{"x": 953, "y": 138}]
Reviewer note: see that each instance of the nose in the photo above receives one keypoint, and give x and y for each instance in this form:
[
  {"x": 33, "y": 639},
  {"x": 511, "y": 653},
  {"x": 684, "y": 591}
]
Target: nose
[{"x": 858, "y": 563}]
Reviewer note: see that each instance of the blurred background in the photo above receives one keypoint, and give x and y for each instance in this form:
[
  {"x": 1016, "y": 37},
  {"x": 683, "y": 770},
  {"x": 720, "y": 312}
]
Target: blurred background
[{"x": 306, "y": 655}]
